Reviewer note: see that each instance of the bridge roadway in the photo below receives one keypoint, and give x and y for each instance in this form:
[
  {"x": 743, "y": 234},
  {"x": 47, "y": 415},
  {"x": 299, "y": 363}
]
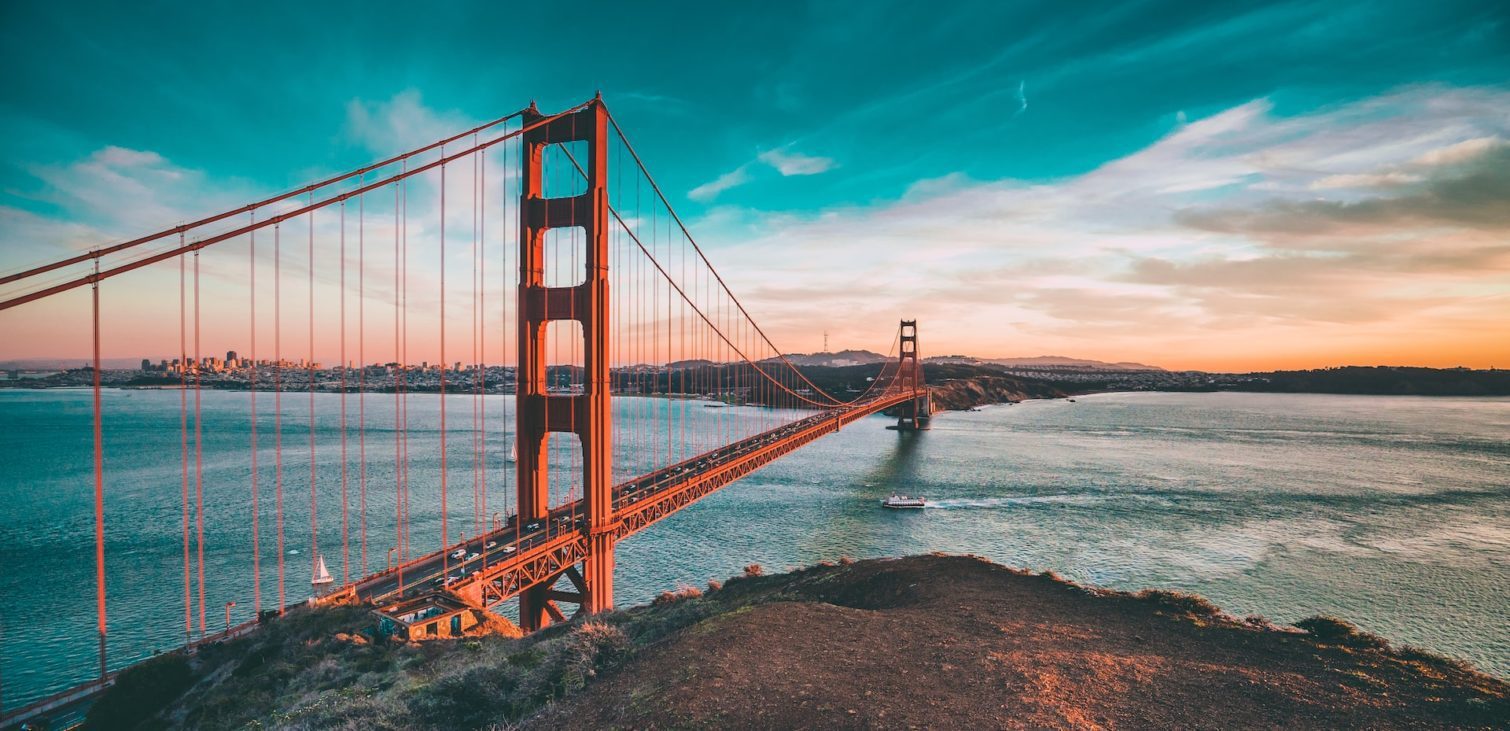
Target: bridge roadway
[{"x": 512, "y": 558}]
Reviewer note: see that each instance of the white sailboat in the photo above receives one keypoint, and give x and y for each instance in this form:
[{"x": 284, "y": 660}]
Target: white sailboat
[{"x": 322, "y": 574}]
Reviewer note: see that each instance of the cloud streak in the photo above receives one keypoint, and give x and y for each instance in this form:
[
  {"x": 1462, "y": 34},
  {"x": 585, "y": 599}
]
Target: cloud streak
[
  {"x": 795, "y": 163},
  {"x": 783, "y": 161},
  {"x": 710, "y": 190}
]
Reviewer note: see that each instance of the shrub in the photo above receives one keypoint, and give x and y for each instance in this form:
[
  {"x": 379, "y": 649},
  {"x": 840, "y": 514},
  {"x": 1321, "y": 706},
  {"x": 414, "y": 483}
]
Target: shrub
[
  {"x": 140, "y": 692},
  {"x": 1334, "y": 631},
  {"x": 1180, "y": 601},
  {"x": 715, "y": 585},
  {"x": 589, "y": 649},
  {"x": 469, "y": 697},
  {"x": 684, "y": 592},
  {"x": 754, "y": 569}
]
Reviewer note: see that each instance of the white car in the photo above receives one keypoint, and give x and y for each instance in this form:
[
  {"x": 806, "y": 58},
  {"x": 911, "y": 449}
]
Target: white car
[
  {"x": 491, "y": 545},
  {"x": 508, "y": 549},
  {"x": 458, "y": 553},
  {"x": 471, "y": 556}
]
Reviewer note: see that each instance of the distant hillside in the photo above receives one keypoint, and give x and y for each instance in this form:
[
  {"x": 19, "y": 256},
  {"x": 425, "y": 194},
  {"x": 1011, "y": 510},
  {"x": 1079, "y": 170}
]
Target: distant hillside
[
  {"x": 1044, "y": 361},
  {"x": 1382, "y": 380},
  {"x": 838, "y": 360},
  {"x": 60, "y": 364}
]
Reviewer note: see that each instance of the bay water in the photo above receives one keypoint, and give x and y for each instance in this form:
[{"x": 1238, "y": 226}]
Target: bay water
[{"x": 1391, "y": 512}]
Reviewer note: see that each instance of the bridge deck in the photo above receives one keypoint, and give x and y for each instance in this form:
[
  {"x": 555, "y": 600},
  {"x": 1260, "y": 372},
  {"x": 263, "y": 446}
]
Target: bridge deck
[{"x": 513, "y": 558}]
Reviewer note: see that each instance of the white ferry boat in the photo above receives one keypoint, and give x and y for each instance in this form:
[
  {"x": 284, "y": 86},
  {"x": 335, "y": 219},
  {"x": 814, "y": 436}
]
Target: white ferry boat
[{"x": 903, "y": 502}]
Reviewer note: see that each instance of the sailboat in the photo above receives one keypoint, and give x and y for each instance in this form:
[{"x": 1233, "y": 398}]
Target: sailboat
[{"x": 322, "y": 574}]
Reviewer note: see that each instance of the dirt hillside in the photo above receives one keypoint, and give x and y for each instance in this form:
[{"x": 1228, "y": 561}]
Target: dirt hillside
[{"x": 956, "y": 642}]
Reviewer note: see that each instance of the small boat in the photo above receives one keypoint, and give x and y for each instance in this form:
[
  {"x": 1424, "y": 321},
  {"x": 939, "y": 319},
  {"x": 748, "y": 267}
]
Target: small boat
[
  {"x": 903, "y": 502},
  {"x": 1070, "y": 400},
  {"x": 322, "y": 574}
]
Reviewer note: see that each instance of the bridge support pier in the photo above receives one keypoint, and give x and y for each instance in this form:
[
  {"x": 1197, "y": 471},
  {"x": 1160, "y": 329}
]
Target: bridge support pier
[
  {"x": 588, "y": 414},
  {"x": 915, "y": 414}
]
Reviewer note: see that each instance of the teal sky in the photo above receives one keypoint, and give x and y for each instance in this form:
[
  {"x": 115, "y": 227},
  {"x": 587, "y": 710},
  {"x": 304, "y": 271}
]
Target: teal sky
[{"x": 766, "y": 121}]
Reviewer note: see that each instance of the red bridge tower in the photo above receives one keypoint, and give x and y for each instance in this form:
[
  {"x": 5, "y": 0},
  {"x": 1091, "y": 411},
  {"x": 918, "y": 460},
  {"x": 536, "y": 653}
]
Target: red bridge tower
[
  {"x": 586, "y": 415},
  {"x": 915, "y": 414}
]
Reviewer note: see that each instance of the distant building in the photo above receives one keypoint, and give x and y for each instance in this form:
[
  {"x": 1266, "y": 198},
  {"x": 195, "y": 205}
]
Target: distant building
[
  {"x": 230, "y": 357},
  {"x": 146, "y": 364}
]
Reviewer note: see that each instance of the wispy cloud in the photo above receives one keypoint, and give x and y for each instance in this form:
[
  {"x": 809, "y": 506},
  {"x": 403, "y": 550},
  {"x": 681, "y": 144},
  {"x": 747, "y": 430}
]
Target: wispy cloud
[
  {"x": 783, "y": 161},
  {"x": 710, "y": 190},
  {"x": 796, "y": 163}
]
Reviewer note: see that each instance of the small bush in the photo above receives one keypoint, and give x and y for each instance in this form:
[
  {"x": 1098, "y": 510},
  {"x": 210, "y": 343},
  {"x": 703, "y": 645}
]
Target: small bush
[
  {"x": 1259, "y": 621},
  {"x": 684, "y": 592},
  {"x": 469, "y": 697},
  {"x": 754, "y": 570},
  {"x": 715, "y": 585},
  {"x": 1334, "y": 631},
  {"x": 591, "y": 648},
  {"x": 1180, "y": 601},
  {"x": 140, "y": 692},
  {"x": 845, "y": 560}
]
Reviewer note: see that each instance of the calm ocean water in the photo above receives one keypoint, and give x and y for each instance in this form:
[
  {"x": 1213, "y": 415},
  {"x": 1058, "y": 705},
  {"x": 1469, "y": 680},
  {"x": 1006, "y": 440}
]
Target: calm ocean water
[{"x": 1392, "y": 512}]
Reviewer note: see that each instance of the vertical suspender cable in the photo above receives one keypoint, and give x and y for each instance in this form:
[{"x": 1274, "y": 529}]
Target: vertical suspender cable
[
  {"x": 99, "y": 483},
  {"x": 503, "y": 321},
  {"x": 480, "y": 201},
  {"x": 183, "y": 439},
  {"x": 398, "y": 377},
  {"x": 444, "y": 542},
  {"x": 404, "y": 431},
  {"x": 252, "y": 392},
  {"x": 476, "y": 482},
  {"x": 362, "y": 365},
  {"x": 314, "y": 513},
  {"x": 198, "y": 453},
  {"x": 278, "y": 403},
  {"x": 345, "y": 524},
  {"x": 403, "y": 216}
]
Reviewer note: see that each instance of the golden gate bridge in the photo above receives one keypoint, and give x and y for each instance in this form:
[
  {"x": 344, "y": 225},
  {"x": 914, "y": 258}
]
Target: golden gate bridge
[{"x": 580, "y": 276}]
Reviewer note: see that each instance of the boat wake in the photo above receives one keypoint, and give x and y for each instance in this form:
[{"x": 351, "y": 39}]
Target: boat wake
[{"x": 990, "y": 503}]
